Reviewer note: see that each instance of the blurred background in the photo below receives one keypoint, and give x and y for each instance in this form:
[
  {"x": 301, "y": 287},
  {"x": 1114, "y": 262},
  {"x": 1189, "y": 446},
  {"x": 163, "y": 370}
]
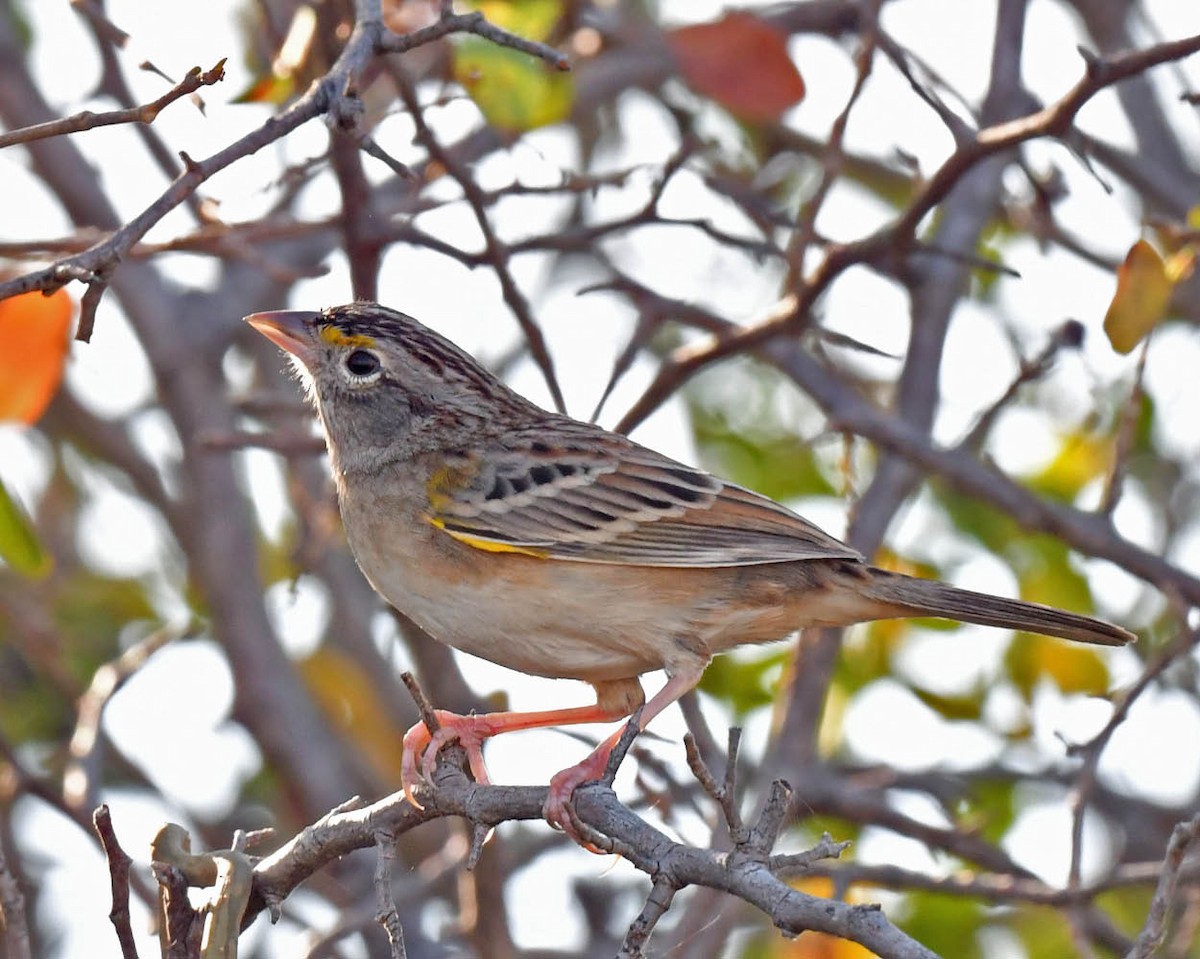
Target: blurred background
[{"x": 994, "y": 384}]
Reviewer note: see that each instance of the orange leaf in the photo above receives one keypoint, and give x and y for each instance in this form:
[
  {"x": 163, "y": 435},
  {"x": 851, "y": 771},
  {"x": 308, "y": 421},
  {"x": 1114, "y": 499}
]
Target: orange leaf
[
  {"x": 741, "y": 62},
  {"x": 819, "y": 945},
  {"x": 33, "y": 347},
  {"x": 344, "y": 692}
]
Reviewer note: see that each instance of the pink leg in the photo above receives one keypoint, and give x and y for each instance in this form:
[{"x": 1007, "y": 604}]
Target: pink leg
[
  {"x": 564, "y": 784},
  {"x": 470, "y": 732}
]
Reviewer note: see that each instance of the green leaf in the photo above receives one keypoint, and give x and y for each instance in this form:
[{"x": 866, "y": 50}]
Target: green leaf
[
  {"x": 1128, "y": 908},
  {"x": 992, "y": 528},
  {"x": 966, "y": 707},
  {"x": 93, "y": 611},
  {"x": 1043, "y": 932},
  {"x": 988, "y": 810},
  {"x": 20, "y": 547},
  {"x": 514, "y": 91},
  {"x": 946, "y": 924},
  {"x": 780, "y": 466},
  {"x": 746, "y": 681},
  {"x": 1046, "y": 576},
  {"x": 743, "y": 421}
]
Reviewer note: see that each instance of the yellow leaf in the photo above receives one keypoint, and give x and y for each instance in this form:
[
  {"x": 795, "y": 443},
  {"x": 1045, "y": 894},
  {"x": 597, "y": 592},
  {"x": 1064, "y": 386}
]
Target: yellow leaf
[
  {"x": 345, "y": 694},
  {"x": 1193, "y": 218},
  {"x": 514, "y": 91},
  {"x": 34, "y": 335},
  {"x": 291, "y": 68},
  {"x": 531, "y": 19},
  {"x": 1082, "y": 457},
  {"x": 1140, "y": 303},
  {"x": 1178, "y": 266},
  {"x": 269, "y": 89},
  {"x": 1046, "y": 576},
  {"x": 1073, "y": 669}
]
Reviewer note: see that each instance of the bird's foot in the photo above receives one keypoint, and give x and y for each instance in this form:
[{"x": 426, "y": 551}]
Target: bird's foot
[
  {"x": 421, "y": 748},
  {"x": 557, "y": 808}
]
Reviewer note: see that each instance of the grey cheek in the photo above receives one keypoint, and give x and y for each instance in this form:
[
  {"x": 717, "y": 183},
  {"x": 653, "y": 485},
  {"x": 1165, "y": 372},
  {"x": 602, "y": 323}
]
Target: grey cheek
[{"x": 386, "y": 422}]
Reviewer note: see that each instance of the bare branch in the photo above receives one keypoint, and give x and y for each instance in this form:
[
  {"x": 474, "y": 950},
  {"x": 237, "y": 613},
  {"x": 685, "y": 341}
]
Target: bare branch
[
  {"x": 649, "y": 850},
  {"x": 473, "y": 22},
  {"x": 13, "y": 922},
  {"x": 886, "y": 245},
  {"x": 386, "y": 915},
  {"x": 146, "y": 113},
  {"x": 118, "y": 870},
  {"x": 657, "y": 903},
  {"x": 1151, "y": 937}
]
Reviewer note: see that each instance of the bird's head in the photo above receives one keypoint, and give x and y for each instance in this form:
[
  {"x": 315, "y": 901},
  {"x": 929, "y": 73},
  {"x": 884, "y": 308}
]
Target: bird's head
[{"x": 386, "y": 387}]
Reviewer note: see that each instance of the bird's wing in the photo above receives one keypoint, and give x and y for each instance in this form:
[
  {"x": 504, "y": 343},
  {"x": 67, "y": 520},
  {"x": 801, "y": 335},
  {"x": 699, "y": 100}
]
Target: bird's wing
[{"x": 627, "y": 505}]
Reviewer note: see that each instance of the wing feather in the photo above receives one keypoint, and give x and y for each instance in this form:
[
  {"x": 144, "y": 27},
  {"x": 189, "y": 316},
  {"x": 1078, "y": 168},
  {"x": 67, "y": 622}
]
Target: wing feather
[{"x": 630, "y": 506}]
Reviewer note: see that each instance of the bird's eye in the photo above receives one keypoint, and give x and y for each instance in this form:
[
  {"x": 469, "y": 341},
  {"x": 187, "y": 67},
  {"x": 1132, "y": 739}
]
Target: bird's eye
[{"x": 362, "y": 363}]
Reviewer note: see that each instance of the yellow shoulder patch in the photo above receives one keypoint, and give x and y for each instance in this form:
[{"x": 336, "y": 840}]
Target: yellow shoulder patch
[
  {"x": 486, "y": 545},
  {"x": 339, "y": 337},
  {"x": 443, "y": 482}
]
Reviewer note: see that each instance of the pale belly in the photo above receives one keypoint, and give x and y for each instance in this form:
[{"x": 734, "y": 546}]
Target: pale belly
[
  {"x": 576, "y": 620},
  {"x": 543, "y": 617}
]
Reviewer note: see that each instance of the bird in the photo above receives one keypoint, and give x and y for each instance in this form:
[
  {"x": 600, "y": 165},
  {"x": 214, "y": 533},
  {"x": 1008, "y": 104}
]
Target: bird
[{"x": 561, "y": 549}]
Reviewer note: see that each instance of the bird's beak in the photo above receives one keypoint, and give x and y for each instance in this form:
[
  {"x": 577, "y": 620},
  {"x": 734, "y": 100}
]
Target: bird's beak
[{"x": 291, "y": 330}]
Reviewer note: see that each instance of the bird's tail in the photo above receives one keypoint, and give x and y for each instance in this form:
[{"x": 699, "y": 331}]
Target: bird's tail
[{"x": 927, "y": 597}]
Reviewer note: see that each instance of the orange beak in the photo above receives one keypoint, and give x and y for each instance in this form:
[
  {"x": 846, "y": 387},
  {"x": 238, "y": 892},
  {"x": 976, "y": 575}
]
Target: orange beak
[{"x": 291, "y": 330}]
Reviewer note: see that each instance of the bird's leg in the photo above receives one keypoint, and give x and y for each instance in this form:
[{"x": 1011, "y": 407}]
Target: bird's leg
[
  {"x": 614, "y": 700},
  {"x": 564, "y": 784}
]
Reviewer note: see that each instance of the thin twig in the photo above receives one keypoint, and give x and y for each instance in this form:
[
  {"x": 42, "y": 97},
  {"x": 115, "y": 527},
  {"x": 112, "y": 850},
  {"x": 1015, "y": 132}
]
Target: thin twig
[
  {"x": 386, "y": 914},
  {"x": 802, "y": 862},
  {"x": 496, "y": 252},
  {"x": 428, "y": 715},
  {"x": 146, "y": 113},
  {"x": 986, "y": 886},
  {"x": 473, "y": 22},
  {"x": 1183, "y": 837},
  {"x": 14, "y": 924},
  {"x": 657, "y": 903},
  {"x": 81, "y": 775},
  {"x": 118, "y": 872},
  {"x": 723, "y": 794},
  {"x": 1131, "y": 414},
  {"x": 1055, "y": 120}
]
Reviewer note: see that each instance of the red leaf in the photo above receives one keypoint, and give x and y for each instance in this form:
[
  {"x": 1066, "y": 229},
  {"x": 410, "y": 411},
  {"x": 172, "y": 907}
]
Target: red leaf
[{"x": 741, "y": 62}]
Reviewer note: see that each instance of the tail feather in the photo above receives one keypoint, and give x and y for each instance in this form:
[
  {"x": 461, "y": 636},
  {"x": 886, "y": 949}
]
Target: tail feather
[{"x": 927, "y": 597}]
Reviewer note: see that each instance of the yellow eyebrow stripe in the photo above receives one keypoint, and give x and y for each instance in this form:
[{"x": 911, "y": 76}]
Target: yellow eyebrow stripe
[
  {"x": 486, "y": 545},
  {"x": 339, "y": 337}
]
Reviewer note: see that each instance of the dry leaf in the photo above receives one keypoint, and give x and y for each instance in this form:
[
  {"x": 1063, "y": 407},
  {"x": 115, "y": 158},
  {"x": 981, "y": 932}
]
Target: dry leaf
[{"x": 741, "y": 62}]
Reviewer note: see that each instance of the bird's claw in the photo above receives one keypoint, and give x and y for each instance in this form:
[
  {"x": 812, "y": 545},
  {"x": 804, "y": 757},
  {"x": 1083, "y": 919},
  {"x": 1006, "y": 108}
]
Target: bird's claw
[
  {"x": 558, "y": 809},
  {"x": 421, "y": 749}
]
